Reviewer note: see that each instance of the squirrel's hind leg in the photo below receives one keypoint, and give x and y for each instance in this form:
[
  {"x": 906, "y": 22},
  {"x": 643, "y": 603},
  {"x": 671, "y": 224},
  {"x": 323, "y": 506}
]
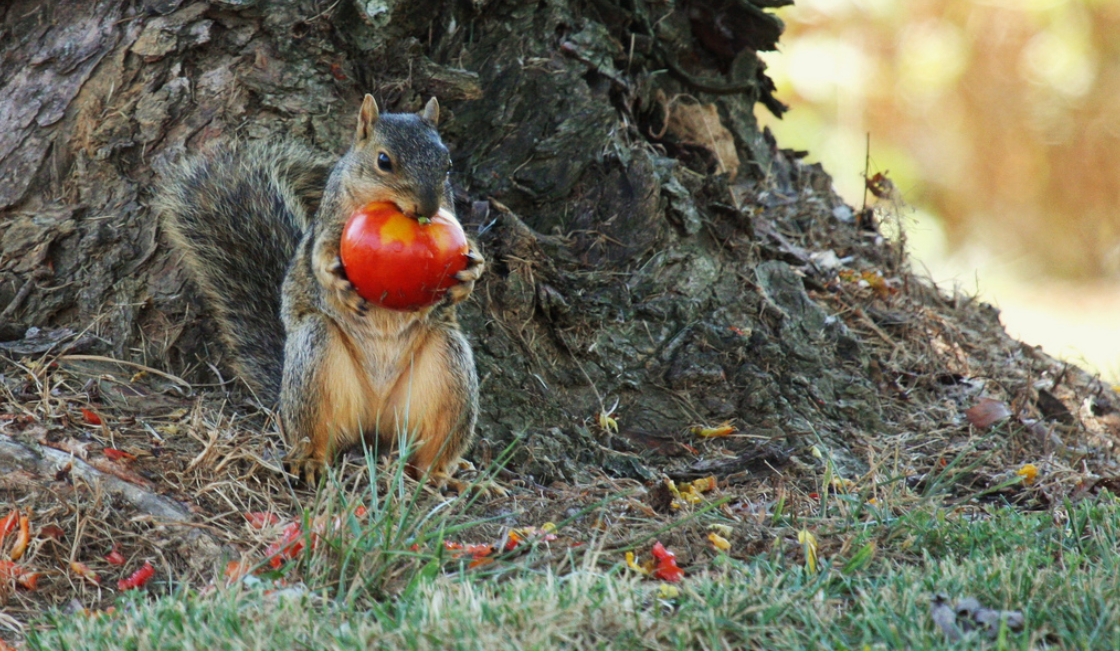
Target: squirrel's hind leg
[
  {"x": 323, "y": 405},
  {"x": 436, "y": 398}
]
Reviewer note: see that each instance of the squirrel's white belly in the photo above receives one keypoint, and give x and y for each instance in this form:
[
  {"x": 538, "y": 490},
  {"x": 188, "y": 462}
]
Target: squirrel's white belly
[{"x": 385, "y": 343}]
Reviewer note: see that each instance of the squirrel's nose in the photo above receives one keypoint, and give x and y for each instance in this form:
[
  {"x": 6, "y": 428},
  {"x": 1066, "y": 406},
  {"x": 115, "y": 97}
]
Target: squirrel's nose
[{"x": 427, "y": 205}]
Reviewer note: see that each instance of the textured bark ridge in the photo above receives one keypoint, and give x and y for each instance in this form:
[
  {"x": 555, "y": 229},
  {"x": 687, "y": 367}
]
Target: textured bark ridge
[{"x": 649, "y": 244}]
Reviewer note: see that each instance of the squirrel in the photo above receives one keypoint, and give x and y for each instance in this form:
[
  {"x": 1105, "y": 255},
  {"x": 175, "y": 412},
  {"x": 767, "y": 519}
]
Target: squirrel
[{"x": 259, "y": 228}]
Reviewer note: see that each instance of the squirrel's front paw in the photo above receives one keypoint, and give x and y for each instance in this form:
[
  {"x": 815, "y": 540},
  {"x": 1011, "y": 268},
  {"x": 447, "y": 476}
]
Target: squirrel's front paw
[
  {"x": 333, "y": 277},
  {"x": 476, "y": 264}
]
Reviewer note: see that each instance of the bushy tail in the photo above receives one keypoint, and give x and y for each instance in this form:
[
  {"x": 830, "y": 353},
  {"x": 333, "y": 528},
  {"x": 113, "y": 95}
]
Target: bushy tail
[{"x": 236, "y": 213}]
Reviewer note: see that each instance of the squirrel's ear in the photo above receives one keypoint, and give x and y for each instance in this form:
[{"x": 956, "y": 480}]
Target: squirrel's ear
[
  {"x": 366, "y": 119},
  {"x": 431, "y": 111}
]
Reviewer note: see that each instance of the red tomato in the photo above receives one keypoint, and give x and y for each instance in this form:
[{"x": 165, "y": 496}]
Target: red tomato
[{"x": 397, "y": 262}]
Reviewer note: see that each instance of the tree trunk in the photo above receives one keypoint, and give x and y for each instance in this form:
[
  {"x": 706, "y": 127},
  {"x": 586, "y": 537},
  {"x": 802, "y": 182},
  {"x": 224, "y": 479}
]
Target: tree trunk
[{"x": 649, "y": 245}]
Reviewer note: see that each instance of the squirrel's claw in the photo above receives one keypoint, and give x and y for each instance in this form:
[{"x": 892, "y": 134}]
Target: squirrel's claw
[
  {"x": 476, "y": 264},
  {"x": 304, "y": 467},
  {"x": 306, "y": 470},
  {"x": 484, "y": 488},
  {"x": 459, "y": 293},
  {"x": 343, "y": 288}
]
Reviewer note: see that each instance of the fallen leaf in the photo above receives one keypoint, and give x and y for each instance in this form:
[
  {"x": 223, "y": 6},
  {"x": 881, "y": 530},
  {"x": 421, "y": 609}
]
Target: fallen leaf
[
  {"x": 880, "y": 186},
  {"x": 1053, "y": 408},
  {"x": 987, "y": 412},
  {"x": 115, "y": 558},
  {"x": 52, "y": 531},
  {"x": 91, "y": 417},
  {"x": 701, "y": 124},
  {"x": 83, "y": 571},
  {"x": 809, "y": 545}
]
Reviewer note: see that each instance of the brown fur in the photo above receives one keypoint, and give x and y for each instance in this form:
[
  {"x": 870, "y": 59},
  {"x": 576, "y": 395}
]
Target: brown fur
[{"x": 351, "y": 370}]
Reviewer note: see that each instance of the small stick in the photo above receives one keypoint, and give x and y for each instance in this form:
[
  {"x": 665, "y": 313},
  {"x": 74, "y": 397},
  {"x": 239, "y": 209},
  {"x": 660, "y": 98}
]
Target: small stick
[{"x": 99, "y": 358}]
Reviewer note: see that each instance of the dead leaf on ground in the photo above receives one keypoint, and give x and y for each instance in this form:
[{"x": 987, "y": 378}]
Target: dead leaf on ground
[
  {"x": 700, "y": 124},
  {"x": 987, "y": 412}
]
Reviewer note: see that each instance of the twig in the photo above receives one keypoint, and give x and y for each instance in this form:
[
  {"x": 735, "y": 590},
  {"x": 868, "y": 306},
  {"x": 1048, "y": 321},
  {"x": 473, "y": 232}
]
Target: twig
[
  {"x": 866, "y": 170},
  {"x": 21, "y": 295},
  {"x": 99, "y": 358}
]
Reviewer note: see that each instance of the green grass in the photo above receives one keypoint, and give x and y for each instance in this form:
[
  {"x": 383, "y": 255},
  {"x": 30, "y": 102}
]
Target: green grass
[{"x": 368, "y": 588}]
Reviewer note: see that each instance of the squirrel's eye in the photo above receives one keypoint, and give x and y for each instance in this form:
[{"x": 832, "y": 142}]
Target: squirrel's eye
[{"x": 383, "y": 162}]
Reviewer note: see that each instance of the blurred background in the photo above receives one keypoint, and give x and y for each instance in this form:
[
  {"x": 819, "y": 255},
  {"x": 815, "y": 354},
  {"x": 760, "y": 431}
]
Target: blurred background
[{"x": 999, "y": 123}]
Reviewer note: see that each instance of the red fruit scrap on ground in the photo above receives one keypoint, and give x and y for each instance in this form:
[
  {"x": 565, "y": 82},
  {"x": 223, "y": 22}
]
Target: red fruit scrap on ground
[
  {"x": 518, "y": 536},
  {"x": 28, "y": 580},
  {"x": 666, "y": 569},
  {"x": 260, "y": 520},
  {"x": 237, "y": 569},
  {"x": 117, "y": 455},
  {"x": 138, "y": 578},
  {"x": 8, "y": 572},
  {"x": 290, "y": 545},
  {"x": 8, "y": 524}
]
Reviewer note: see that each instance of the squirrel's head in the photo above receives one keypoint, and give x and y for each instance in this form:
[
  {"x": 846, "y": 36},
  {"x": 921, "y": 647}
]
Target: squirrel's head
[{"x": 399, "y": 157}]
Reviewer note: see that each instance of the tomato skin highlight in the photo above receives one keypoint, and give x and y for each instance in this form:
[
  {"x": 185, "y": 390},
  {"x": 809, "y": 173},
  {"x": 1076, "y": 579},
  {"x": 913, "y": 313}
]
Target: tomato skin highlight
[{"x": 396, "y": 262}]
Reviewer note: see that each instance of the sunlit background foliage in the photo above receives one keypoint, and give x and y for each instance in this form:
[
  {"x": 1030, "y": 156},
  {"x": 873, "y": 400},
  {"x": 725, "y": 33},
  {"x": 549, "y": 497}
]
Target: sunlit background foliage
[{"x": 999, "y": 122}]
